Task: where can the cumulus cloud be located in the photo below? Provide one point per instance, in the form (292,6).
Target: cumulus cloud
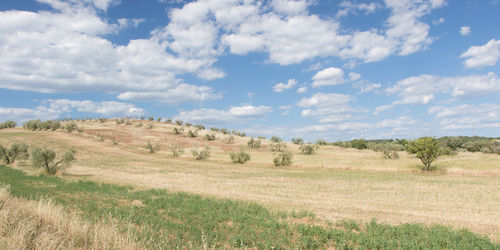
(328,107)
(235,114)
(354,76)
(481,56)
(55,108)
(328,76)
(467,116)
(64,51)
(423,88)
(464,30)
(302,90)
(179,94)
(281,86)
(347,8)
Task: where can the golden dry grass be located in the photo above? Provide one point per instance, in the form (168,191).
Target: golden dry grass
(42,225)
(335,183)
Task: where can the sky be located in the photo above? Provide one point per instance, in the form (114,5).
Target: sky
(331,70)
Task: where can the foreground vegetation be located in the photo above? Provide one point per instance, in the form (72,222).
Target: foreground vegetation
(160,219)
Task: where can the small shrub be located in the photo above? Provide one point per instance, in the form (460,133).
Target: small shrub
(159,119)
(486,150)
(279,146)
(261,137)
(239,157)
(210,137)
(389,149)
(100,137)
(16,151)
(308,149)
(178,131)
(8,124)
(138,125)
(201,154)
(252,143)
(128,123)
(283,159)
(200,127)
(427,149)
(120,121)
(214,129)
(188,124)
(176,150)
(152,149)
(149,126)
(70,127)
(229,139)
(179,122)
(192,133)
(321,142)
(115,140)
(359,144)
(297,141)
(276,139)
(168,120)
(151,118)
(224,131)
(46,159)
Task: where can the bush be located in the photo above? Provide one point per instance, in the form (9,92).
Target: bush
(202,154)
(427,149)
(8,124)
(476,145)
(215,129)
(321,142)
(178,131)
(297,141)
(45,158)
(16,151)
(168,120)
(120,121)
(70,127)
(149,126)
(192,133)
(359,144)
(114,140)
(151,118)
(39,125)
(283,159)
(128,123)
(224,131)
(239,157)
(276,139)
(210,137)
(188,124)
(176,149)
(152,149)
(308,149)
(179,122)
(279,146)
(252,143)
(159,119)
(229,139)
(139,124)
(200,127)
(389,149)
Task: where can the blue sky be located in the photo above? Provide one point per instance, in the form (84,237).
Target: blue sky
(333,70)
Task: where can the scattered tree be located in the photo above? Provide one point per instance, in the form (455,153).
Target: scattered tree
(179,122)
(115,141)
(279,146)
(149,126)
(359,144)
(192,133)
(229,139)
(176,150)
(16,151)
(427,149)
(239,157)
(178,131)
(308,149)
(276,139)
(297,141)
(283,158)
(46,159)
(152,149)
(8,124)
(70,127)
(389,149)
(321,142)
(252,143)
(210,137)
(201,154)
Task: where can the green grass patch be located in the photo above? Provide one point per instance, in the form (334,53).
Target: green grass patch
(167,220)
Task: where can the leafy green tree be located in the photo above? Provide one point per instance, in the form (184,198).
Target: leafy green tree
(16,151)
(46,159)
(427,149)
(389,149)
(359,144)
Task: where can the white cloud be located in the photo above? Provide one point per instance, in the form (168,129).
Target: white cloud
(422,89)
(179,94)
(354,76)
(53,109)
(464,30)
(399,122)
(281,86)
(347,8)
(481,56)
(382,108)
(291,7)
(302,90)
(368,46)
(328,76)
(467,116)
(366,88)
(438,22)
(328,107)
(236,114)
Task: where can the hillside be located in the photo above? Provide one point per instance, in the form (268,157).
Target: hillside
(334,183)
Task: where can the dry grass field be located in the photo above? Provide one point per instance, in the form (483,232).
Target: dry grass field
(334,183)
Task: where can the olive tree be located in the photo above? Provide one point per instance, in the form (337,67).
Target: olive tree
(16,151)
(46,158)
(427,149)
